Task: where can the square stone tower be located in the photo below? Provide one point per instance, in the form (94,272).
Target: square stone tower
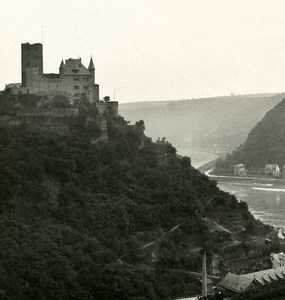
(32,57)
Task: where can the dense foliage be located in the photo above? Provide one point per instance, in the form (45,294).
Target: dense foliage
(76,215)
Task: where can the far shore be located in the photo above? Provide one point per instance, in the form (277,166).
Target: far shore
(245,179)
(199,158)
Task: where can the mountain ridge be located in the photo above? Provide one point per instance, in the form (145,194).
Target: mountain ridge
(220,121)
(265,143)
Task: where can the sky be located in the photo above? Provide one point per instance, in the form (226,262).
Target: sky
(152,50)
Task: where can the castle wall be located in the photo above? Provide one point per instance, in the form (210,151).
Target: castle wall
(95,93)
(53,84)
(77,83)
(41,85)
(51,118)
(113,108)
(108,108)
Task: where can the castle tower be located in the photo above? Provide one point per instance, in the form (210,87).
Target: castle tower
(91,68)
(61,69)
(32,57)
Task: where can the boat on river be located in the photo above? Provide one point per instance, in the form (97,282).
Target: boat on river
(262,184)
(269,189)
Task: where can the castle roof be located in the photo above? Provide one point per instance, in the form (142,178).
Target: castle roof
(235,283)
(240,283)
(266,276)
(50,75)
(91,65)
(62,66)
(73,66)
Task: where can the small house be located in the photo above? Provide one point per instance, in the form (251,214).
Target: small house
(272,169)
(235,284)
(239,170)
(277,259)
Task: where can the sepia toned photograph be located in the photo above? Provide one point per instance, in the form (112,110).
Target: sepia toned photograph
(142,150)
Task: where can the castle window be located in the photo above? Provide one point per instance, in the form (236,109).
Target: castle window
(75,71)
(86,87)
(76,87)
(76,78)
(87,78)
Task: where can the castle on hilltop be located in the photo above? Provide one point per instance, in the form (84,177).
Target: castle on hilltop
(73,77)
(72,81)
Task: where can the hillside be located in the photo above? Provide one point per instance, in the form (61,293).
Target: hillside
(108,220)
(209,123)
(265,143)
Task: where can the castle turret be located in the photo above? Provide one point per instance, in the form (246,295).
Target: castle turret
(61,68)
(91,68)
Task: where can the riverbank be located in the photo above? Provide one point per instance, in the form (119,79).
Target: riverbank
(265,196)
(199,158)
(246,180)
(207,166)
(265,183)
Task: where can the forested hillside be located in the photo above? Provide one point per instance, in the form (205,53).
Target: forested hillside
(265,143)
(76,215)
(209,122)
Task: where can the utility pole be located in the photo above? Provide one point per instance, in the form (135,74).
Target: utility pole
(204,276)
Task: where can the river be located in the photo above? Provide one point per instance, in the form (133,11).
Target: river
(265,204)
(198,158)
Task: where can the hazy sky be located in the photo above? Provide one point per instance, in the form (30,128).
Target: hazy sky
(154,49)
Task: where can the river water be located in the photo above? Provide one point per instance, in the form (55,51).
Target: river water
(266,204)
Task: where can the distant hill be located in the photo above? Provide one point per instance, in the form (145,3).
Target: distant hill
(206,122)
(265,143)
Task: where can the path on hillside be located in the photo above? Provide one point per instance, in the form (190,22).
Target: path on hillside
(154,241)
